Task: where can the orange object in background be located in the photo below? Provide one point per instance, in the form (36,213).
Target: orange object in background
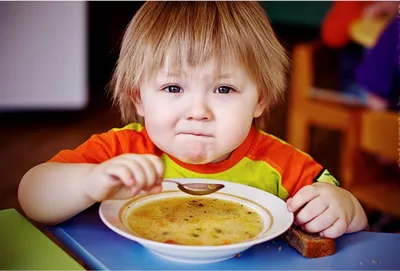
(335,28)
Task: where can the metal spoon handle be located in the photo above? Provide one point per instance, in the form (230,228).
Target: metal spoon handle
(171,181)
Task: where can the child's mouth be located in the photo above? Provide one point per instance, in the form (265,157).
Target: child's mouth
(196,134)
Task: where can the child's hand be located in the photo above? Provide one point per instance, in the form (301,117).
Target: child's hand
(125,176)
(328,210)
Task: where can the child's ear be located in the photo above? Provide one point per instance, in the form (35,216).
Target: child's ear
(137,101)
(260,108)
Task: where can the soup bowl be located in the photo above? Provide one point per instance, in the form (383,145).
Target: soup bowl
(271,212)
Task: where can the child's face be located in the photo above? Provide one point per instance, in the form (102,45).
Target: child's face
(199,116)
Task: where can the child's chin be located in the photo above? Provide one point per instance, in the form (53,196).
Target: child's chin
(201,158)
(195,160)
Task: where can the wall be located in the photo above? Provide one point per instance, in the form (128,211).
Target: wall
(43,55)
(298,13)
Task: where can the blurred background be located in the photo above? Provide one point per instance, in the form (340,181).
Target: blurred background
(342,105)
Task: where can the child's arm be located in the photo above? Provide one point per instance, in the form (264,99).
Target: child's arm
(54,192)
(327,209)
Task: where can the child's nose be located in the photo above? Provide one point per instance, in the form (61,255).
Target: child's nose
(199,109)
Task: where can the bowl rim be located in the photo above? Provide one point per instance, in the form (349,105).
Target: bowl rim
(264,236)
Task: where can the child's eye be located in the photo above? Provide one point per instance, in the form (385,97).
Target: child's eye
(223,90)
(173,89)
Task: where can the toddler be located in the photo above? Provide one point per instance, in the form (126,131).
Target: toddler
(194,83)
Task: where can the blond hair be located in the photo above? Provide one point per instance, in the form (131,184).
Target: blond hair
(196,32)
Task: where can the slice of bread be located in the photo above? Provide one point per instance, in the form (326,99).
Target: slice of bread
(310,245)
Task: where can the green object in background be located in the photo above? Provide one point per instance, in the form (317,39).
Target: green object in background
(299,13)
(23,246)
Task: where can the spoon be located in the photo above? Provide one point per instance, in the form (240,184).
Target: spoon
(198,189)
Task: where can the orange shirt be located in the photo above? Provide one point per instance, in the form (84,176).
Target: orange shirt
(262,160)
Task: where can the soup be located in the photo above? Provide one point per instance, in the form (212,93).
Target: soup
(195,221)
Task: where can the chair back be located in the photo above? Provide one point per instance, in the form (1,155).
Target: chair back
(380,134)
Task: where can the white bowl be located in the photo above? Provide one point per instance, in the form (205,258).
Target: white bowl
(277,219)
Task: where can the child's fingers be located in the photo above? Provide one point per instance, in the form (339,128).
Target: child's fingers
(321,222)
(304,195)
(158,166)
(138,174)
(135,171)
(155,189)
(338,228)
(149,171)
(142,170)
(312,209)
(124,193)
(130,172)
(119,172)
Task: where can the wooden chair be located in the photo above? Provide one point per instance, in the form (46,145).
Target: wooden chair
(365,133)
(309,105)
(373,184)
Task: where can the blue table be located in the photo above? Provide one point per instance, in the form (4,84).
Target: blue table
(100,248)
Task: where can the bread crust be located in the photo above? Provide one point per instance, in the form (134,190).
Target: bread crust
(310,245)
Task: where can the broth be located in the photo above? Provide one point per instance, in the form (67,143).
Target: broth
(195,221)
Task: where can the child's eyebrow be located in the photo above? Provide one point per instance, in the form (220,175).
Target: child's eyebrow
(174,74)
(167,73)
(224,76)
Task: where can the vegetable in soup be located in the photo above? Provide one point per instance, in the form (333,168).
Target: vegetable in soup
(195,221)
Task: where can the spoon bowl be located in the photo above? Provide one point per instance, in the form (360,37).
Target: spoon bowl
(197,189)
